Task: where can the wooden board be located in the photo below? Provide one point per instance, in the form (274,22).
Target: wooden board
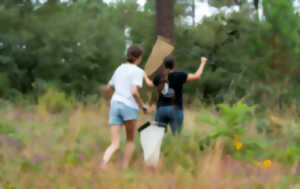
(160,50)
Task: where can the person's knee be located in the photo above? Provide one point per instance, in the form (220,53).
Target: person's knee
(115,146)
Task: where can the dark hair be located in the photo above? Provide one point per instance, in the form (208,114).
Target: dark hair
(133,53)
(158,78)
(169,62)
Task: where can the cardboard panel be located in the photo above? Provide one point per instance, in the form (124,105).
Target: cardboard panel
(160,50)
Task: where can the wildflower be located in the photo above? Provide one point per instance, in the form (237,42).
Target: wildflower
(238,145)
(267,163)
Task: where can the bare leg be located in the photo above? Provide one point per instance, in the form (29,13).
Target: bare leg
(115,131)
(130,134)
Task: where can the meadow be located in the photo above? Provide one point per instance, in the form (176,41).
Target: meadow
(57,143)
(51,139)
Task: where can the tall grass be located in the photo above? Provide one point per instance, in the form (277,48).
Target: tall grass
(62,150)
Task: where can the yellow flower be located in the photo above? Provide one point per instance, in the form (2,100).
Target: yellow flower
(238,145)
(235,137)
(267,163)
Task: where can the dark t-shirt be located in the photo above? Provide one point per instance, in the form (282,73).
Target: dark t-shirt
(174,94)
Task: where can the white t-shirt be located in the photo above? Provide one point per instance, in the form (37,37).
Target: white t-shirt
(124,78)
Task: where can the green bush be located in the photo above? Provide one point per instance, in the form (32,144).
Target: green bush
(6,186)
(6,89)
(6,129)
(181,151)
(59,43)
(55,101)
(4,103)
(232,120)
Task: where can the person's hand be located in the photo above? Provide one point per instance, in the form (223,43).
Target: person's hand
(149,83)
(145,109)
(203,60)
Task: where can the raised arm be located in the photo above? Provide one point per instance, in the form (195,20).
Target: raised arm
(198,73)
(148,82)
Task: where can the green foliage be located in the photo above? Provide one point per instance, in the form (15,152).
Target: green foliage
(76,45)
(232,120)
(253,57)
(5,186)
(289,155)
(68,145)
(181,151)
(70,157)
(237,114)
(55,101)
(4,84)
(263,126)
(6,128)
(71,46)
(289,182)
(5,103)
(27,165)
(228,3)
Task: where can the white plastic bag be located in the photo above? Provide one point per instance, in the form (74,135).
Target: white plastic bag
(151,136)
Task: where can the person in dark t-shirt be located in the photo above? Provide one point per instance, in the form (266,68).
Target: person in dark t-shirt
(170,84)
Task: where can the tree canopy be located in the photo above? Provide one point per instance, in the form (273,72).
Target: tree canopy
(75,46)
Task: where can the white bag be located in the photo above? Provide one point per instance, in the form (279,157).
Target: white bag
(151,136)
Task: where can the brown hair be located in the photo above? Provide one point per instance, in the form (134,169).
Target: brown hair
(162,76)
(133,53)
(169,62)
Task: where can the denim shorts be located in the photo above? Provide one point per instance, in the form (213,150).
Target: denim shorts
(120,112)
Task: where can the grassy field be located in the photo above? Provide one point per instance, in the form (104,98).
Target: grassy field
(48,146)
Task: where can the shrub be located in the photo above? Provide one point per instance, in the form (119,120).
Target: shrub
(6,128)
(54,101)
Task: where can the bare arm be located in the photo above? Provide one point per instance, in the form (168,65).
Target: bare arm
(109,91)
(148,82)
(136,95)
(198,73)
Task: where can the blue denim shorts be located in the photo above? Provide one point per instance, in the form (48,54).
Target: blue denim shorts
(120,112)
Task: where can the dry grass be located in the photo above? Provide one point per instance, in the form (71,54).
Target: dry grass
(42,162)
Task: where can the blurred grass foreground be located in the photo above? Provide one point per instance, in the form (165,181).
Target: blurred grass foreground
(58,142)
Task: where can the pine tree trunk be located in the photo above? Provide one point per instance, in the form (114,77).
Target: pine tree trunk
(256,3)
(165,18)
(164,27)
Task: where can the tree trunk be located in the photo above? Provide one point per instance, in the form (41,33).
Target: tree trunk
(256,4)
(165,18)
(164,27)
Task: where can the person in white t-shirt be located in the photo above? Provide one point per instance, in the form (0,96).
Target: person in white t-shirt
(125,102)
